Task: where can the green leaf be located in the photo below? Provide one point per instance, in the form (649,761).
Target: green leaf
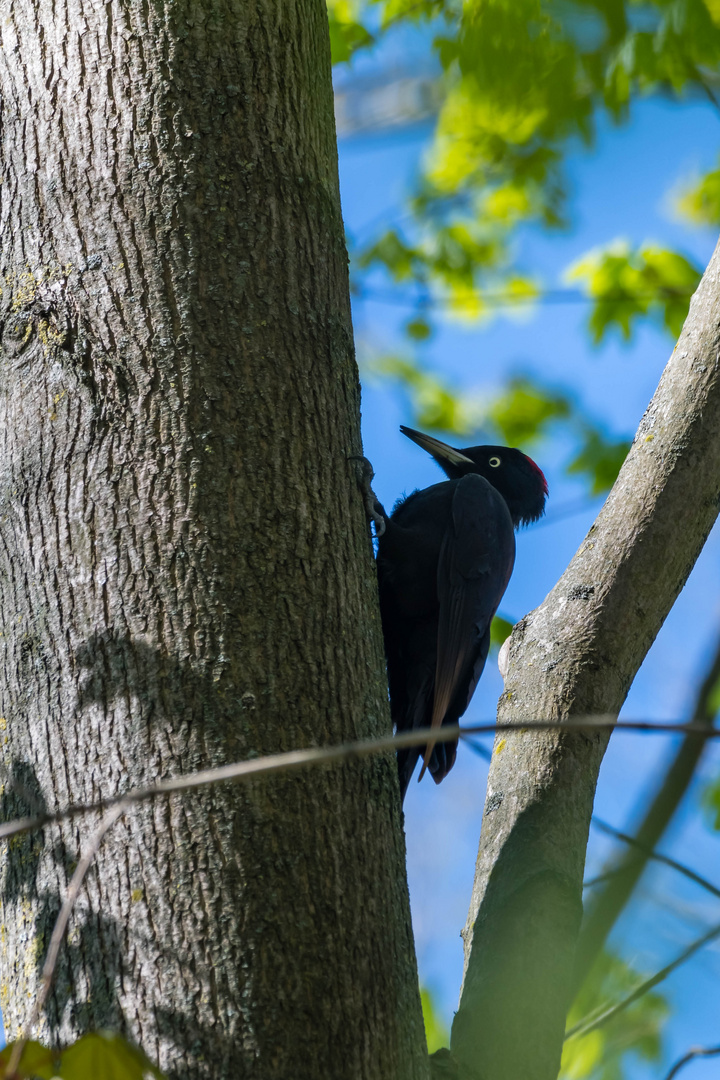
(395,11)
(500,630)
(436,1033)
(105,1055)
(99,1055)
(418,329)
(35,1061)
(435,404)
(700,202)
(627,285)
(713,702)
(523,412)
(711,803)
(399,258)
(599,460)
(601,1054)
(521,80)
(347,34)
(584,1058)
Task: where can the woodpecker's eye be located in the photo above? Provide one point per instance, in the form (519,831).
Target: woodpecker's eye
(494,461)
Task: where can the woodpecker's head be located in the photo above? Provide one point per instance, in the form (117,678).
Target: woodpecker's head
(516,476)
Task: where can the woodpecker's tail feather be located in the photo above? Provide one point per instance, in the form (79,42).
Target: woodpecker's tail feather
(407,760)
(442,760)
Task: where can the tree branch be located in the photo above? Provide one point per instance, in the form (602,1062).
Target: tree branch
(295,760)
(584,1027)
(655,856)
(578,653)
(697,1051)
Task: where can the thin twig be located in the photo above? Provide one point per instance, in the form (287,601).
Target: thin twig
(697,1051)
(600,879)
(654,855)
(295,760)
(479,749)
(607,903)
(59,929)
(704,85)
(585,1026)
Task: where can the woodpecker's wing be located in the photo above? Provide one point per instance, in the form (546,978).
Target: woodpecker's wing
(411,672)
(475,564)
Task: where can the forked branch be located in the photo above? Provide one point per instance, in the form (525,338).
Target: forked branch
(578,654)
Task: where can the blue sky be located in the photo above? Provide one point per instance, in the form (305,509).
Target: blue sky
(620,189)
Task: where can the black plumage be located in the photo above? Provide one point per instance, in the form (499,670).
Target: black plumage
(444,561)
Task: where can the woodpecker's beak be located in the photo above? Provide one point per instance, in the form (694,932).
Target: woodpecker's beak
(439,450)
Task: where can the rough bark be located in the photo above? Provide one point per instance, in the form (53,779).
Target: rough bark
(575,655)
(185,572)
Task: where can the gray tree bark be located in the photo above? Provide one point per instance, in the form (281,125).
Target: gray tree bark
(185,572)
(576,655)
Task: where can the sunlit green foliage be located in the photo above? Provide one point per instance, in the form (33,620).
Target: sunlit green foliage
(346,33)
(521,80)
(434,404)
(599,460)
(600,1055)
(700,202)
(711,796)
(453,258)
(500,631)
(99,1055)
(418,329)
(393,11)
(626,285)
(522,414)
(523,77)
(436,1033)
(524,411)
(512,92)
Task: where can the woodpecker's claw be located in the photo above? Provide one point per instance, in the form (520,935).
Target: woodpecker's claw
(373,507)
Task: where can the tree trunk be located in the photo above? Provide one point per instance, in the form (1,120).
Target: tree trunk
(185,572)
(577,654)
